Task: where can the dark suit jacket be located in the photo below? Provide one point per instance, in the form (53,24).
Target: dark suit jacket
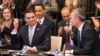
(19,8)
(50,24)
(63,24)
(41,38)
(89,41)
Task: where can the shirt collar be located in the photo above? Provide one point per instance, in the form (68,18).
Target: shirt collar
(42,19)
(80,28)
(34,26)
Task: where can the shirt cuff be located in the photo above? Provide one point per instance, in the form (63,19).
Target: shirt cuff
(13,32)
(72,51)
(35,49)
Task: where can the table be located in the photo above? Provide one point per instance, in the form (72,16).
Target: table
(6,52)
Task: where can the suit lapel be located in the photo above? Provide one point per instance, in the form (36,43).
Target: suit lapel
(36,34)
(82,34)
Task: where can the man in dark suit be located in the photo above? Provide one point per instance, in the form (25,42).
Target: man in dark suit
(33,35)
(42,19)
(63,28)
(87,37)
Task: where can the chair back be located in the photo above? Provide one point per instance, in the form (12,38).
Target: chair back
(56,43)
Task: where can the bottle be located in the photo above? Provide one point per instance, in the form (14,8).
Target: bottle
(56,52)
(24,50)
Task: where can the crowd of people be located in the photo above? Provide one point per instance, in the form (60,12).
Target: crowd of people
(78,35)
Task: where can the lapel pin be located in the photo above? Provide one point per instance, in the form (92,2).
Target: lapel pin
(37,28)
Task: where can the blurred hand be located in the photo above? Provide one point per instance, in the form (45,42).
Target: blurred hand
(8,40)
(16,24)
(31,49)
(95,22)
(68,51)
(60,31)
(67,29)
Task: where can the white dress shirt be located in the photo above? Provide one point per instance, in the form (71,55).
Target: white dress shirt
(80,29)
(41,20)
(31,30)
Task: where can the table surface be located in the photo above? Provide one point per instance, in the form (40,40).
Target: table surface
(17,53)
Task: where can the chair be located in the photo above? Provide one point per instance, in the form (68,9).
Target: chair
(56,42)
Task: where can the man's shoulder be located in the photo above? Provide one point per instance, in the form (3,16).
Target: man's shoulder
(61,23)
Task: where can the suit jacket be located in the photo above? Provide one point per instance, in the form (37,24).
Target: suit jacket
(89,41)
(50,24)
(41,38)
(63,24)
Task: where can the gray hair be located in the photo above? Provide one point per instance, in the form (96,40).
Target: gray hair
(79,12)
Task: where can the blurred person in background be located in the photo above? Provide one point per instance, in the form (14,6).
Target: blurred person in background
(65,28)
(16,5)
(42,19)
(10,24)
(96,20)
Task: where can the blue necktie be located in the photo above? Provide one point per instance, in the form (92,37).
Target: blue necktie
(41,1)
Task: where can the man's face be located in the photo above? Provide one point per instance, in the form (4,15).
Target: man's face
(65,15)
(30,18)
(39,11)
(74,20)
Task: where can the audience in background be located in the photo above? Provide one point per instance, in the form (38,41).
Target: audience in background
(42,19)
(51,8)
(96,20)
(8,25)
(7,3)
(15,5)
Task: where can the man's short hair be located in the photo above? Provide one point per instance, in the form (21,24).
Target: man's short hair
(28,10)
(65,8)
